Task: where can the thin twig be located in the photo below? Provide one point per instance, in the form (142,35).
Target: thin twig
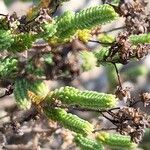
(100,42)
(112,121)
(87,109)
(114,29)
(114,108)
(3,95)
(3,15)
(118,75)
(133,104)
(4,116)
(104,129)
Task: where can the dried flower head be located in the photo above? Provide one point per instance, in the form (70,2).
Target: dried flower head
(131,121)
(141,50)
(135,16)
(123,93)
(122,47)
(145,98)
